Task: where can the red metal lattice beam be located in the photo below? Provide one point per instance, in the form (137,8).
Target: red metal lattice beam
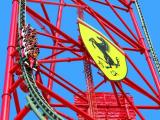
(68,104)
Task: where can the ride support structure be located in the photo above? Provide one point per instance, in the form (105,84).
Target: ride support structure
(6,97)
(89,95)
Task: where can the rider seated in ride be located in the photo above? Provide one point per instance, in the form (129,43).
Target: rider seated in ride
(32,57)
(29,46)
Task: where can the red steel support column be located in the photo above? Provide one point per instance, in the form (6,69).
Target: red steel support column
(5,110)
(149,61)
(58,24)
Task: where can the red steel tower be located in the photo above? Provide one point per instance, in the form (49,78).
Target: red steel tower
(67,83)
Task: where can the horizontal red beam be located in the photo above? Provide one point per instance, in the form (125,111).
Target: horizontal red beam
(54,54)
(57,105)
(131,49)
(103,3)
(58,48)
(61,60)
(53,37)
(148,107)
(114,106)
(55,3)
(110,106)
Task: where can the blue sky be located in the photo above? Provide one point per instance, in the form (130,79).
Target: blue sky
(152,17)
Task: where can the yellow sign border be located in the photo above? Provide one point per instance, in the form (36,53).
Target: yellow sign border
(107,40)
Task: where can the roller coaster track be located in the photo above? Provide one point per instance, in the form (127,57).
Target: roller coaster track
(35,100)
(149,41)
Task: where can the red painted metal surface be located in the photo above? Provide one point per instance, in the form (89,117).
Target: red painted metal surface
(6,97)
(89,104)
(107,107)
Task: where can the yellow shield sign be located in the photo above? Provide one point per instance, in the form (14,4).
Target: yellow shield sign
(109,58)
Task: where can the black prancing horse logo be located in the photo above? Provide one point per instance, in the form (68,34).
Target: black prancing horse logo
(104,48)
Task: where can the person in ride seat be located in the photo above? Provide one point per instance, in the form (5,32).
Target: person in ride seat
(29,46)
(32,57)
(25,29)
(29,41)
(33,33)
(32,40)
(29,30)
(28,27)
(31,53)
(23,32)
